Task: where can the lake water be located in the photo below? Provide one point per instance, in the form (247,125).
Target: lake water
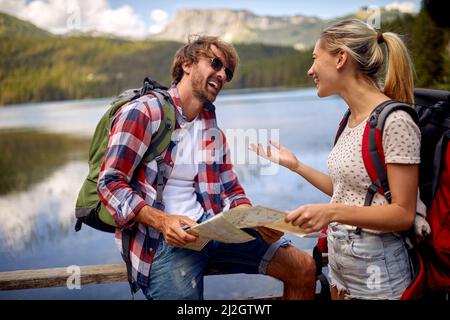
(37,229)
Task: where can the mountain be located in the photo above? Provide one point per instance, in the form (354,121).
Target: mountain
(13,27)
(40,66)
(243,26)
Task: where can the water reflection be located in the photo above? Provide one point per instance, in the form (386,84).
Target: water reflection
(29,155)
(44,212)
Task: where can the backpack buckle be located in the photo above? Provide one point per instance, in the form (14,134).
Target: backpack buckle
(373,188)
(373,121)
(147,86)
(78,225)
(168,124)
(388,196)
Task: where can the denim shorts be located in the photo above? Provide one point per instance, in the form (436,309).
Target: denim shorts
(367,265)
(177,273)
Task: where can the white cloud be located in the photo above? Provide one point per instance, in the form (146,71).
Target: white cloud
(11,7)
(60,16)
(159,20)
(159,15)
(409,7)
(122,21)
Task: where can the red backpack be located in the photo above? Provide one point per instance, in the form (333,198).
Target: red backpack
(430,259)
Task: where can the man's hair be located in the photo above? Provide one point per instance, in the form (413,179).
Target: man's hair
(198,47)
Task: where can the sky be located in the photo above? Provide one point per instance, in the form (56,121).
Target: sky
(138,18)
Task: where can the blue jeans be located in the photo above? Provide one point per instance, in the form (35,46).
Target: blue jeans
(177,273)
(367,265)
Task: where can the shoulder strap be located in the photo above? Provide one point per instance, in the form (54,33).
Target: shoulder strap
(161,139)
(342,125)
(372,147)
(439,161)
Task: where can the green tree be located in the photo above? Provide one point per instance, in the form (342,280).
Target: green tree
(429,51)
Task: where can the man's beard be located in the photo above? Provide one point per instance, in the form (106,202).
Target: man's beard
(200,91)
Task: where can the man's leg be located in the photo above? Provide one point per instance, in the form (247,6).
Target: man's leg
(297,270)
(280,260)
(176,274)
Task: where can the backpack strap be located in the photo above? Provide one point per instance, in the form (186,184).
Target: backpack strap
(372,148)
(324,284)
(161,141)
(439,160)
(342,125)
(126,245)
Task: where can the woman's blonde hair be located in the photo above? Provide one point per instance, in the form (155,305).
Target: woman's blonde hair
(198,46)
(382,57)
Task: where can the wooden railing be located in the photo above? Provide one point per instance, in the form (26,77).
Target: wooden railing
(58,277)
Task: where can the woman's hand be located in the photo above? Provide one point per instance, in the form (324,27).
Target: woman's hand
(310,218)
(279,154)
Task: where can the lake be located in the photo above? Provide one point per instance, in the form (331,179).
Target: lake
(43,163)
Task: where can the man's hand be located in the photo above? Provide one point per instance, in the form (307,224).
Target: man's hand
(171,226)
(172,229)
(269,235)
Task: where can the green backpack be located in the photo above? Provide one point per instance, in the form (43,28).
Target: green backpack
(89,209)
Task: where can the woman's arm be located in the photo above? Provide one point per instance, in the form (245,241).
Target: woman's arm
(317,178)
(287,159)
(397,216)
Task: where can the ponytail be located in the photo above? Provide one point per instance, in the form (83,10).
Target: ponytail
(399,82)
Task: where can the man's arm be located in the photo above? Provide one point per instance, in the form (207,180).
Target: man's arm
(129,139)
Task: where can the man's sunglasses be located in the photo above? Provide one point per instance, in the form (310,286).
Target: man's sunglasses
(217,65)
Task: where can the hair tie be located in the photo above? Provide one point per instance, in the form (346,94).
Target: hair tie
(380,38)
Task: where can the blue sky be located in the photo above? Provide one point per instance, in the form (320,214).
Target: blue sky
(138,19)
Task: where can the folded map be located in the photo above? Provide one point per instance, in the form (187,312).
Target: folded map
(226,226)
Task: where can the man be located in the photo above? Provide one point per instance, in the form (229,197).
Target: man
(195,189)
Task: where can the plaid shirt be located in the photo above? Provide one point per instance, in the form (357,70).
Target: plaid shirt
(126,184)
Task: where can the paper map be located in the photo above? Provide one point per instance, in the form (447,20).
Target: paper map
(226,226)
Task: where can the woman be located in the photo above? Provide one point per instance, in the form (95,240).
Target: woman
(367,258)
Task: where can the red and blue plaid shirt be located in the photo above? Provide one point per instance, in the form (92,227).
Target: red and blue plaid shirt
(126,183)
